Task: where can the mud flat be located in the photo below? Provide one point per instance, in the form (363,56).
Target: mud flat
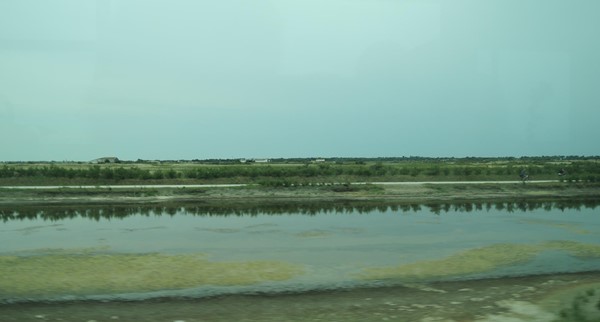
(557,297)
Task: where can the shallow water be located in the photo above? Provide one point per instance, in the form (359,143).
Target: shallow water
(179,253)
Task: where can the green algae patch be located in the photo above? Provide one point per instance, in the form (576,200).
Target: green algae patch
(574,248)
(470,261)
(91,274)
(479,260)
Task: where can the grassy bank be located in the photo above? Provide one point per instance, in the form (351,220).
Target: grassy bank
(302,179)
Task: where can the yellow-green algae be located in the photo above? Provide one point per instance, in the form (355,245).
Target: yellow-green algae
(85,274)
(478,260)
(574,248)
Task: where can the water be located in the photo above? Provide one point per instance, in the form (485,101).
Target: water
(292,248)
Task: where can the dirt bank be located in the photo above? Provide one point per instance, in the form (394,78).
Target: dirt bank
(414,193)
(520,299)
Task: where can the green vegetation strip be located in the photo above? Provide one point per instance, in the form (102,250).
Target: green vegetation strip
(91,274)
(302,172)
(478,260)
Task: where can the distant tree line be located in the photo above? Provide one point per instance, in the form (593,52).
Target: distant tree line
(92,172)
(405,171)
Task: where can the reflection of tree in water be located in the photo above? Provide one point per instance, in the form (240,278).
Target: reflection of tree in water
(52,213)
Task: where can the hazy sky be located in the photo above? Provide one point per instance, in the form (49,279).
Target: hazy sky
(81,79)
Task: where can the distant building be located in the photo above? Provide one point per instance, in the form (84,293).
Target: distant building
(261,160)
(318,160)
(105,160)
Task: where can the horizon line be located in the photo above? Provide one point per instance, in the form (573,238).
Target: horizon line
(311,158)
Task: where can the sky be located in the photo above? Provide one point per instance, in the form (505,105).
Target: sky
(187,79)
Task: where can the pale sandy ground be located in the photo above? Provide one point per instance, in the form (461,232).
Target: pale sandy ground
(245,185)
(388,192)
(525,299)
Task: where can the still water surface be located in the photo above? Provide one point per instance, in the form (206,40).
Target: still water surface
(327,248)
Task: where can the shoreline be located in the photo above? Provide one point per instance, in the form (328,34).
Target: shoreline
(524,298)
(227,185)
(410,192)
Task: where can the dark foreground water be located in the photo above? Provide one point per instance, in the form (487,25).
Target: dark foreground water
(344,262)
